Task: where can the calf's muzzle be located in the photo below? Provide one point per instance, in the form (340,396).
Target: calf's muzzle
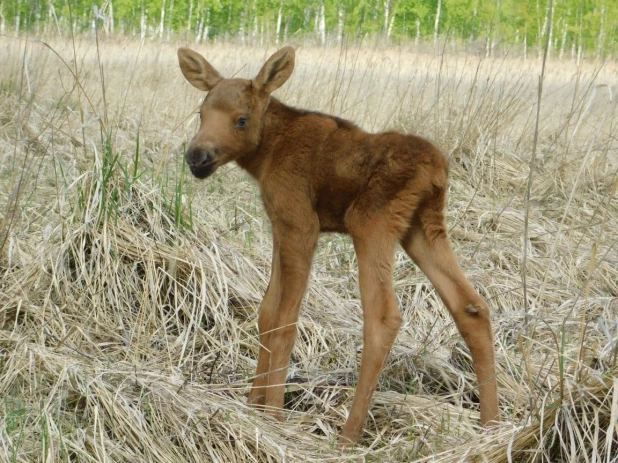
(200,160)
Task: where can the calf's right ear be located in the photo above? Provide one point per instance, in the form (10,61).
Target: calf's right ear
(197,70)
(275,71)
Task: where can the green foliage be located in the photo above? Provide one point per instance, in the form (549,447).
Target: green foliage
(590,25)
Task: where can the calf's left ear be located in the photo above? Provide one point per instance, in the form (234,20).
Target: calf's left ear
(275,71)
(197,70)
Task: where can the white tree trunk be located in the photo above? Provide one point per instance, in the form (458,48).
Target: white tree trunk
(143,25)
(542,32)
(551,34)
(340,23)
(278,30)
(286,31)
(563,41)
(206,34)
(387,10)
(18,18)
(391,24)
(110,15)
(200,29)
(255,29)
(2,21)
(189,19)
(241,31)
(171,12)
(436,27)
(322,24)
(162,23)
(317,21)
(254,32)
(389,17)
(601,39)
(262,34)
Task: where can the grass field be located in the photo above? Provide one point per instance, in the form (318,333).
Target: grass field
(129,290)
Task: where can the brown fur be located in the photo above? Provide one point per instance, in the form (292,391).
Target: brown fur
(321,173)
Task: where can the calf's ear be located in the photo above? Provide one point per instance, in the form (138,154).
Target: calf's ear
(275,71)
(197,70)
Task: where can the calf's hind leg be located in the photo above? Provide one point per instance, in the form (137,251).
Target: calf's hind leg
(381,323)
(427,244)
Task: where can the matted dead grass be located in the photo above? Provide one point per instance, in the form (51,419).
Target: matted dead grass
(129,291)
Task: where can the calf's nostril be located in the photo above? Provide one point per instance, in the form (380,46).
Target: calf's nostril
(199,157)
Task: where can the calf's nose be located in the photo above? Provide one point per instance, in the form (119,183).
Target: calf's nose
(200,155)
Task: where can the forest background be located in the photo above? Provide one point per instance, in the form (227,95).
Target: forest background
(578,26)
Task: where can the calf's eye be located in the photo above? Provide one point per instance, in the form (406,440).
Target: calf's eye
(241,122)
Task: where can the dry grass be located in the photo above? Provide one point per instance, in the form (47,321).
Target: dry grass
(129,291)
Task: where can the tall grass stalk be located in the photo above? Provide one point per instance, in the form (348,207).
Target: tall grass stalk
(533,162)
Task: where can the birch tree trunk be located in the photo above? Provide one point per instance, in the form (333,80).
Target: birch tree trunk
(391,24)
(162,23)
(436,27)
(171,13)
(601,38)
(18,18)
(206,34)
(143,24)
(189,19)
(387,10)
(340,25)
(241,30)
(255,30)
(316,24)
(542,32)
(474,24)
(278,30)
(286,31)
(550,31)
(563,41)
(389,18)
(200,29)
(110,15)
(322,24)
(579,41)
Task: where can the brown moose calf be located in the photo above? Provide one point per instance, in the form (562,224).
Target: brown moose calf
(321,173)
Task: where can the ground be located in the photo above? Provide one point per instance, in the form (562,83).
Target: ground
(129,290)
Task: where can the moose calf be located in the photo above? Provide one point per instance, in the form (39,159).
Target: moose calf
(321,173)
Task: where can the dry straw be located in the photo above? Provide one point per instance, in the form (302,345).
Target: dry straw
(128,290)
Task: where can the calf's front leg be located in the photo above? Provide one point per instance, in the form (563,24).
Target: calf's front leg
(266,317)
(295,251)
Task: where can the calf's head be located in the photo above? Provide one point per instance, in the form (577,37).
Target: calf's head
(231,114)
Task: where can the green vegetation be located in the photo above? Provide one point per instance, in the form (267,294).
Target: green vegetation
(577,25)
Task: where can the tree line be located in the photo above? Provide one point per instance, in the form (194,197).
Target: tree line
(576,26)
